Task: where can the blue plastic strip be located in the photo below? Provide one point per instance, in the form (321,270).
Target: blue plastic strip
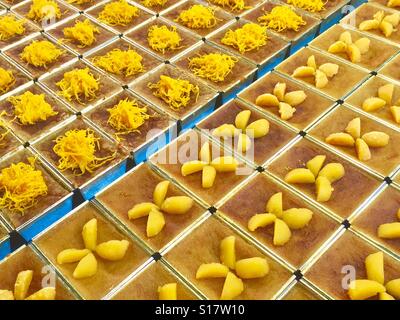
(5,249)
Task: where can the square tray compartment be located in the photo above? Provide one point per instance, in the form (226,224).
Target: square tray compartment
(350,191)
(149,61)
(88,183)
(348,251)
(384,160)
(20,77)
(138,186)
(25,258)
(266,57)
(252,198)
(306,113)
(391,69)
(301,292)
(32,132)
(379,51)
(242,74)
(202,245)
(186,148)
(262,148)
(194,111)
(339,86)
(144,286)
(67,233)
(107,86)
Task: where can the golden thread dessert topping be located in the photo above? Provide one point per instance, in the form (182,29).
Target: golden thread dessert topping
(282,18)
(79,2)
(83,32)
(7,80)
(112,250)
(11,26)
(386,23)
(118,13)
(126,116)
(233,5)
(309,5)
(77,84)
(354,50)
(31,108)
(43,9)
(77,151)
(247,38)
(198,17)
(174,92)
(283,220)
(162,39)
(213,66)
(20,185)
(121,62)
(154,3)
(393,3)
(154,211)
(41,53)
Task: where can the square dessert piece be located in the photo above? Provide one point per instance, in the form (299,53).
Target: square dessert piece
(391,68)
(107,153)
(196,105)
(44,202)
(17,76)
(262,56)
(252,198)
(24,55)
(28,30)
(329,8)
(26,259)
(346,257)
(349,192)
(369,89)
(202,246)
(236,7)
(164,46)
(67,233)
(384,160)
(380,211)
(187,148)
(337,86)
(159,6)
(301,292)
(137,187)
(104,12)
(144,286)
(221,17)
(38,16)
(98,86)
(18,122)
(377,54)
(307,112)
(100,34)
(366,12)
(262,148)
(153,125)
(102,59)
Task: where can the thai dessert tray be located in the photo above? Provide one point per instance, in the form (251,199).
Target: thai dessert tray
(194,150)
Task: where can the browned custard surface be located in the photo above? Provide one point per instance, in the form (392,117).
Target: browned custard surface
(300,292)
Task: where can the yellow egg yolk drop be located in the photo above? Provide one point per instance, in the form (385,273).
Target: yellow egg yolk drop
(7,80)
(198,17)
(20,185)
(213,66)
(309,5)
(174,92)
(82,32)
(118,13)
(162,39)
(281,18)
(41,9)
(10,27)
(41,53)
(76,149)
(249,37)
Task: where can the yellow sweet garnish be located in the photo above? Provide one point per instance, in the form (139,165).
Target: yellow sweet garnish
(163,39)
(281,18)
(233,5)
(175,92)
(31,108)
(212,66)
(10,26)
(76,149)
(126,116)
(154,3)
(43,9)
(118,13)
(309,5)
(7,80)
(77,83)
(249,37)
(20,185)
(4,131)
(40,53)
(117,61)
(79,1)
(198,17)
(83,32)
